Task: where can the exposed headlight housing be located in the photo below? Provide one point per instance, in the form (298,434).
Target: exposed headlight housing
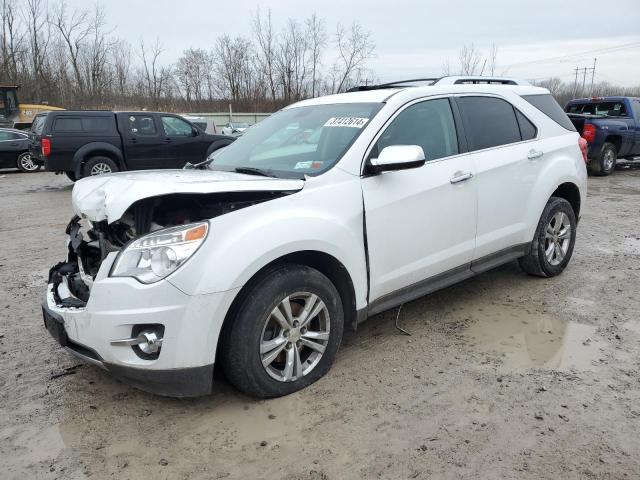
(156,255)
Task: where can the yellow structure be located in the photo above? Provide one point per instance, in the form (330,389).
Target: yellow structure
(15,114)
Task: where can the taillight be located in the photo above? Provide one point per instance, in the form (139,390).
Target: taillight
(589,132)
(45,143)
(583,148)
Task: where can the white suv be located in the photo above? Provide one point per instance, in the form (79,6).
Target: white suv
(329,211)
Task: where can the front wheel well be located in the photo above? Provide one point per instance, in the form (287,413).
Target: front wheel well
(326,264)
(571,193)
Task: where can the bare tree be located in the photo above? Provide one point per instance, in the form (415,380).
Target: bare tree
(11,42)
(354,49)
(154,76)
(469,58)
(73,28)
(317,38)
(266,50)
(493,57)
(36,18)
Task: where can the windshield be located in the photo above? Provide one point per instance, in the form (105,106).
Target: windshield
(297,141)
(240,125)
(607,109)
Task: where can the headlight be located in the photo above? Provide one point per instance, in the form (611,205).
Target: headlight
(156,255)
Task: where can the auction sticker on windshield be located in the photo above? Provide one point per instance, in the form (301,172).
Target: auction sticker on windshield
(355,122)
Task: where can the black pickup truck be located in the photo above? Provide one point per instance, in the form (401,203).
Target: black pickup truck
(83,143)
(611,127)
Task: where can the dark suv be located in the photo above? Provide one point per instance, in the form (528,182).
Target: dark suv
(83,143)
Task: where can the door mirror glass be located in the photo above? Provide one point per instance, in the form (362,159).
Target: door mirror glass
(398,157)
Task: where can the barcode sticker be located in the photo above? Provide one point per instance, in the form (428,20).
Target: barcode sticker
(355,122)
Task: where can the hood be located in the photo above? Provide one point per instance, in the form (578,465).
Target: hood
(107,197)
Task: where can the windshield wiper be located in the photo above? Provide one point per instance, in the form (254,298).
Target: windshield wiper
(254,171)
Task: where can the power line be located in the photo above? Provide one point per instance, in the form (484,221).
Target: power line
(579,54)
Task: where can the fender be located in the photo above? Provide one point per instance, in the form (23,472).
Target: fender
(96,148)
(241,243)
(566,167)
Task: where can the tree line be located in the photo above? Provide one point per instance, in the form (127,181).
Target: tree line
(71,58)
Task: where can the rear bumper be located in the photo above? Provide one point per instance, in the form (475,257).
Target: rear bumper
(177,382)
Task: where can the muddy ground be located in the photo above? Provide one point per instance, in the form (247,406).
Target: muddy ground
(503,376)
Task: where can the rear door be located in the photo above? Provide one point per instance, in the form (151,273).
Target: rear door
(144,142)
(420,222)
(184,142)
(507,158)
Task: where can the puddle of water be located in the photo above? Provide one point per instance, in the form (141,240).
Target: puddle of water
(532,340)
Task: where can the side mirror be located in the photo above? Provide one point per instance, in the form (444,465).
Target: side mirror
(397,157)
(194,132)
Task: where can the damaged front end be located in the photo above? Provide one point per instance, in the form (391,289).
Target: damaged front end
(90,242)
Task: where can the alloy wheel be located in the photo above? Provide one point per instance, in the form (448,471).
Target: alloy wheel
(557,238)
(609,159)
(100,168)
(27,163)
(295,336)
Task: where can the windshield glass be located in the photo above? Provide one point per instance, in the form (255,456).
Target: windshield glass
(240,125)
(297,141)
(608,109)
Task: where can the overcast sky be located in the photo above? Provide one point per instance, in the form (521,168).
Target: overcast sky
(536,39)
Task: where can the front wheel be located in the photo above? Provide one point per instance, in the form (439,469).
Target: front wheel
(26,163)
(285,334)
(553,243)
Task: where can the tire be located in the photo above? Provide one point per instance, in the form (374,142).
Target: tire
(557,215)
(25,163)
(98,166)
(71,176)
(605,164)
(256,334)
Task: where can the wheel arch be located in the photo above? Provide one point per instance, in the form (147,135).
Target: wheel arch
(95,149)
(571,193)
(325,263)
(616,140)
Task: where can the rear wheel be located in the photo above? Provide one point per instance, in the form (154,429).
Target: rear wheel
(285,334)
(553,243)
(606,161)
(99,166)
(26,163)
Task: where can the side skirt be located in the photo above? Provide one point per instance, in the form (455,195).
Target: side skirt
(442,280)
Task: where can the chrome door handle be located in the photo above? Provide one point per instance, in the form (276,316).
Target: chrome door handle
(533,154)
(461,177)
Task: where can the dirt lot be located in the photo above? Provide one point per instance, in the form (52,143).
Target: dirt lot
(504,376)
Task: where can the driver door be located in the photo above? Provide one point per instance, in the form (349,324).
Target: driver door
(421,222)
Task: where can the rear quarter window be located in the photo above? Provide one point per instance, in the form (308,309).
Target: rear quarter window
(489,122)
(67,124)
(548,105)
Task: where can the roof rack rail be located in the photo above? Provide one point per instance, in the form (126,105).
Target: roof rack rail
(398,83)
(479,79)
(449,80)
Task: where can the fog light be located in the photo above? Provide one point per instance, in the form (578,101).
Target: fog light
(145,340)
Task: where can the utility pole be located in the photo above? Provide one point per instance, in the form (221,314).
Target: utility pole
(584,71)
(593,74)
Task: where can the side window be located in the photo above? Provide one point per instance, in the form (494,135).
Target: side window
(67,124)
(142,125)
(428,124)
(17,136)
(489,122)
(547,105)
(635,104)
(528,130)
(4,136)
(96,124)
(176,127)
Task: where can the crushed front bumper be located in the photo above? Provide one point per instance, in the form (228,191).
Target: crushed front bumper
(116,306)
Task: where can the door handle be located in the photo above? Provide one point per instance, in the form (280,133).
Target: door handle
(168,140)
(461,177)
(13,144)
(533,154)
(134,140)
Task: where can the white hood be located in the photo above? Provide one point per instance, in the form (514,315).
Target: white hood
(107,197)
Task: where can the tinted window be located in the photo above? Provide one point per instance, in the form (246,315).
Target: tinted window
(176,127)
(38,124)
(427,124)
(67,124)
(635,104)
(547,105)
(4,136)
(488,122)
(142,125)
(527,129)
(96,124)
